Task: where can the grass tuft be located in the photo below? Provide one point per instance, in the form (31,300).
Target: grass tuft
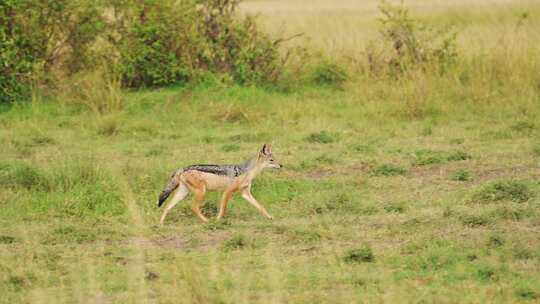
(458,155)
(322,137)
(329,74)
(461,175)
(21,175)
(388,170)
(360,255)
(6,239)
(476,220)
(505,190)
(236,242)
(525,293)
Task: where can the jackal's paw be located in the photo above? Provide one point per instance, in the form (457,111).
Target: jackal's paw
(269,217)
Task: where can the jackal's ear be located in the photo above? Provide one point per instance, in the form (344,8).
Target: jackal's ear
(265,149)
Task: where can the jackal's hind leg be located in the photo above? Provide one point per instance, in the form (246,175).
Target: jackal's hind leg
(197,203)
(246,194)
(180,194)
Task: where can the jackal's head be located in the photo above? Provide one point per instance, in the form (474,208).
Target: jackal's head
(266,159)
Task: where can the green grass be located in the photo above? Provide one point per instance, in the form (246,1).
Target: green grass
(367,208)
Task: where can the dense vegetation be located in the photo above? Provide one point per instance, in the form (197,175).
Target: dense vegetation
(142,43)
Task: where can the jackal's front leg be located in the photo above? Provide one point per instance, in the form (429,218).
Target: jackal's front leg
(246,194)
(224,200)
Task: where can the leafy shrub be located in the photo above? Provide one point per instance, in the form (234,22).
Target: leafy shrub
(42,37)
(137,43)
(505,190)
(360,255)
(173,42)
(408,44)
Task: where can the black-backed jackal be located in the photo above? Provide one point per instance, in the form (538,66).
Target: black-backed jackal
(228,178)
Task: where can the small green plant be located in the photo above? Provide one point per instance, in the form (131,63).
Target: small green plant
(24,176)
(395,207)
(217,225)
(360,255)
(512,212)
(476,220)
(329,73)
(6,239)
(237,242)
(428,157)
(526,293)
(496,240)
(458,155)
(487,273)
(461,175)
(505,190)
(388,170)
(322,137)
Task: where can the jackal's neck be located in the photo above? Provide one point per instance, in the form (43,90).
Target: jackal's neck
(248,165)
(250,168)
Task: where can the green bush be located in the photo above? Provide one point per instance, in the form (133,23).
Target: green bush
(143,43)
(170,42)
(39,37)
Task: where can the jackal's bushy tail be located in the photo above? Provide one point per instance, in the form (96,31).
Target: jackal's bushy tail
(171,185)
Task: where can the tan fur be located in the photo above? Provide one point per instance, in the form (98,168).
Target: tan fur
(199,182)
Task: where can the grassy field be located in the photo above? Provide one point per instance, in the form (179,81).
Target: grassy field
(390,193)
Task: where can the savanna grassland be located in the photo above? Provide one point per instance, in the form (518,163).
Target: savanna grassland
(408,182)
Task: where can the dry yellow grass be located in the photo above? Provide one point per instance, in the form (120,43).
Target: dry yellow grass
(346,26)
